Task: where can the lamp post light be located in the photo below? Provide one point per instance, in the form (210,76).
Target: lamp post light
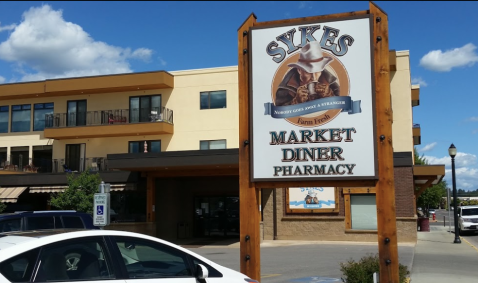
(452,152)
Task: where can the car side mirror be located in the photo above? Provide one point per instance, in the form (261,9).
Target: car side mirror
(201,272)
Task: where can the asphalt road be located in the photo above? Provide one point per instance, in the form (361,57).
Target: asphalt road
(442,217)
(302,262)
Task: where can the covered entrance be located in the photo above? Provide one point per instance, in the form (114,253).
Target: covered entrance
(190,194)
(216,216)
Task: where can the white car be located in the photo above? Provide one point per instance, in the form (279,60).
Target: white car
(467,218)
(104,255)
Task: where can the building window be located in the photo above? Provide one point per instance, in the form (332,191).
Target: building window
(75,157)
(143,108)
(21,117)
(76,115)
(138,146)
(39,112)
(360,209)
(206,145)
(3,119)
(213,99)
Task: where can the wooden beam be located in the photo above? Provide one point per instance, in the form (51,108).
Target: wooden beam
(385,188)
(250,257)
(423,188)
(150,198)
(370,190)
(321,183)
(196,172)
(393,60)
(312,18)
(348,214)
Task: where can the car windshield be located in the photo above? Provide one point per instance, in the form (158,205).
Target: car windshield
(470,211)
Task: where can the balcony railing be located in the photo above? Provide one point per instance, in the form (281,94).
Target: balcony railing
(108,117)
(42,165)
(22,163)
(93,164)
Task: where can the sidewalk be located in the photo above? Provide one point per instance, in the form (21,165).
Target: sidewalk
(437,259)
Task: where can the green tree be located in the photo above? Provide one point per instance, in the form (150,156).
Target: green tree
(419,160)
(2,207)
(433,196)
(80,192)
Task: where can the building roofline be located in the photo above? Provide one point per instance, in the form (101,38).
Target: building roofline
(86,77)
(204,71)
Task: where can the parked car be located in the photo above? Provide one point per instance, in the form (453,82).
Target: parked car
(467,218)
(431,211)
(39,220)
(96,255)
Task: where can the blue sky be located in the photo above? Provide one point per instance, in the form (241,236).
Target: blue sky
(41,40)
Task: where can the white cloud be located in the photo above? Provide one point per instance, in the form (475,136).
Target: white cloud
(439,61)
(9,27)
(461,160)
(466,178)
(44,45)
(162,62)
(428,147)
(2,80)
(142,54)
(419,81)
(473,119)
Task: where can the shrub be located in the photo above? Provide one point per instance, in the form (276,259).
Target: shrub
(363,270)
(2,207)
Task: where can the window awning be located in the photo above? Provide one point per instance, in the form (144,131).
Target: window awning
(11,194)
(48,189)
(122,187)
(59,189)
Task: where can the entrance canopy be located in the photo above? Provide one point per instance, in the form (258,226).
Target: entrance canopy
(425,176)
(179,163)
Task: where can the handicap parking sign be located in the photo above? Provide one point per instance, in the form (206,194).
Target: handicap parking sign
(99,210)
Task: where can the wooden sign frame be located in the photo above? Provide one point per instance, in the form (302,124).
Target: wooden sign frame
(249,200)
(336,178)
(312,210)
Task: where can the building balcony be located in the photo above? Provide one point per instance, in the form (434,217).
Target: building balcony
(417,136)
(415,95)
(40,165)
(109,123)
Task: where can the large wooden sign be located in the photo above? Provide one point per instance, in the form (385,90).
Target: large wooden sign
(315,111)
(312,100)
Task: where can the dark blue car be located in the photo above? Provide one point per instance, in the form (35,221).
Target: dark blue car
(44,220)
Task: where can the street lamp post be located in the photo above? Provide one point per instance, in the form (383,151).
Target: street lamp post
(452,152)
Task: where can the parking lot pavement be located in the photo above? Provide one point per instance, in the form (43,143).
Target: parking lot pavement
(301,261)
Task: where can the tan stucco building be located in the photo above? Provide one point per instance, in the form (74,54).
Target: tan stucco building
(168,143)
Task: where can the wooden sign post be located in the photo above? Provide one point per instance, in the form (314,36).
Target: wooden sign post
(385,187)
(293,84)
(248,194)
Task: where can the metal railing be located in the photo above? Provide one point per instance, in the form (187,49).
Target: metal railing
(44,165)
(109,117)
(20,163)
(94,164)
